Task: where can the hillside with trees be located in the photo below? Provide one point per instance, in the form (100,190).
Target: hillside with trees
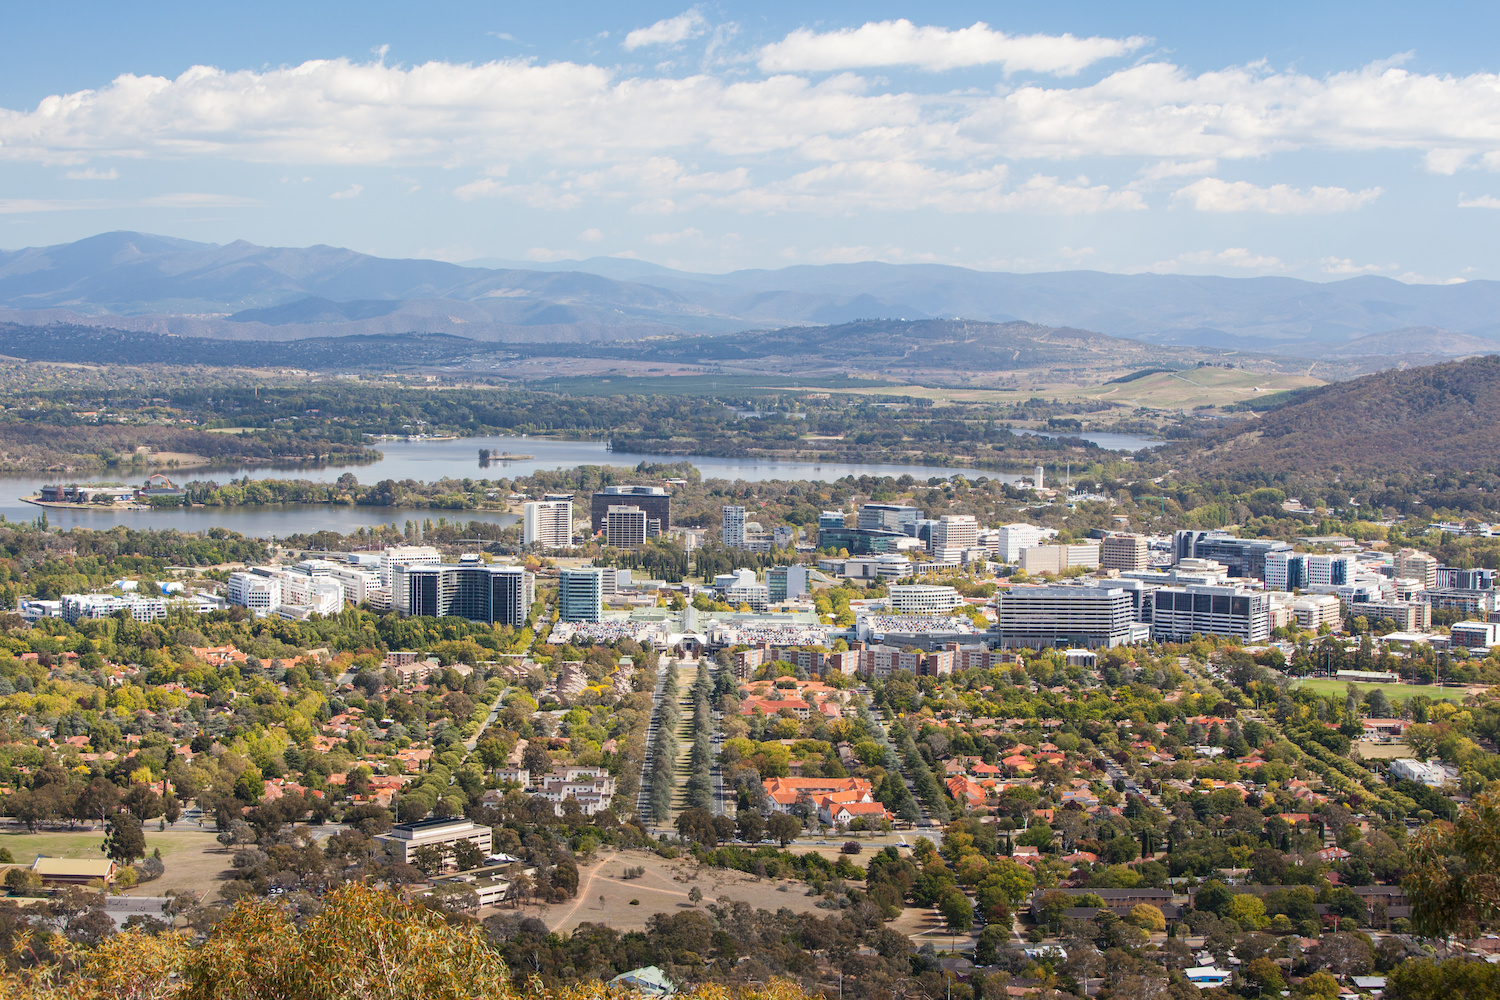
(1432,419)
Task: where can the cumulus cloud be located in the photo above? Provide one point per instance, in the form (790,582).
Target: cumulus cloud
(669,31)
(1483,201)
(1214,195)
(901,43)
(1345,266)
(181,199)
(591,235)
(352,191)
(93,174)
(553,135)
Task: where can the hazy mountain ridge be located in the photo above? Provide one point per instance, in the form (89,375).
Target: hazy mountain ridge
(244,291)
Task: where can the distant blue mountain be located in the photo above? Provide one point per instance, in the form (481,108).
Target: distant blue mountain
(242,290)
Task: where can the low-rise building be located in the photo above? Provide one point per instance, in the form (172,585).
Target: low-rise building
(403,840)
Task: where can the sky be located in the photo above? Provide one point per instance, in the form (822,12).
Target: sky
(1318,141)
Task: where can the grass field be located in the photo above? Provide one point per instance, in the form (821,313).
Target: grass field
(1183,390)
(701,385)
(195,862)
(1394,692)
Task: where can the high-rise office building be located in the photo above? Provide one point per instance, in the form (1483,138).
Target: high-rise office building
(1010,539)
(580,594)
(788,583)
(548,523)
(1124,552)
(1241,557)
(733,532)
(655,501)
(1178,613)
(1414,565)
(625,526)
(953,531)
(1090,617)
(889,517)
(497,595)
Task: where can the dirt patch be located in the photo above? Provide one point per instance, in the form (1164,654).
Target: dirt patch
(664,888)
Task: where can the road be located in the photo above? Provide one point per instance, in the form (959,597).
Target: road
(643,793)
(473,741)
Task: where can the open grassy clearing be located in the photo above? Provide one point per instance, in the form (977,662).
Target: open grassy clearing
(664,888)
(687,676)
(195,862)
(1394,692)
(1382,751)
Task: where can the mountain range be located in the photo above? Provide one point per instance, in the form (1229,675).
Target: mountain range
(242,291)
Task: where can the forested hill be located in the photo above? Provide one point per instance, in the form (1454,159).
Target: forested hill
(1439,418)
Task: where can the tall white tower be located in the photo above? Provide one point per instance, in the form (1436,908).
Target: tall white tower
(1037,481)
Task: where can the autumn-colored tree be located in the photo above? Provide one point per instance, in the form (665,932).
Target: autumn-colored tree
(1454,883)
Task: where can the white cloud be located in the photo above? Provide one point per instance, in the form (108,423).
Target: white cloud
(669,31)
(352,191)
(1214,195)
(1235,257)
(93,174)
(901,43)
(1173,168)
(554,135)
(544,255)
(183,199)
(591,236)
(663,239)
(1446,161)
(1483,201)
(1345,266)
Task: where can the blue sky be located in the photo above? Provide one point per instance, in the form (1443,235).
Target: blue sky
(1313,140)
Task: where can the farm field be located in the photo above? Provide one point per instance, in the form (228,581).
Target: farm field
(1185,390)
(1394,692)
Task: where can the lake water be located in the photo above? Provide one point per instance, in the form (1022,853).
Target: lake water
(424,461)
(1104,439)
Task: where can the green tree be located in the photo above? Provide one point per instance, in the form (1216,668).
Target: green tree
(957,911)
(783,828)
(123,839)
(1452,885)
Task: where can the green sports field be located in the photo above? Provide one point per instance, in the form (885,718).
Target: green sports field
(1394,692)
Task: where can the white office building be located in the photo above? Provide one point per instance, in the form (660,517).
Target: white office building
(580,594)
(732,534)
(1009,540)
(260,594)
(953,531)
(923,599)
(548,523)
(76,607)
(1067,617)
(406,555)
(360,585)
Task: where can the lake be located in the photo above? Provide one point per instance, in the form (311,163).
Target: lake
(424,461)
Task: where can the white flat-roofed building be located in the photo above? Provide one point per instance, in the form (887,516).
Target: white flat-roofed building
(953,531)
(1312,611)
(403,840)
(624,527)
(1086,617)
(923,599)
(406,555)
(1420,771)
(76,607)
(1469,635)
(548,523)
(592,787)
(359,585)
(260,594)
(1008,540)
